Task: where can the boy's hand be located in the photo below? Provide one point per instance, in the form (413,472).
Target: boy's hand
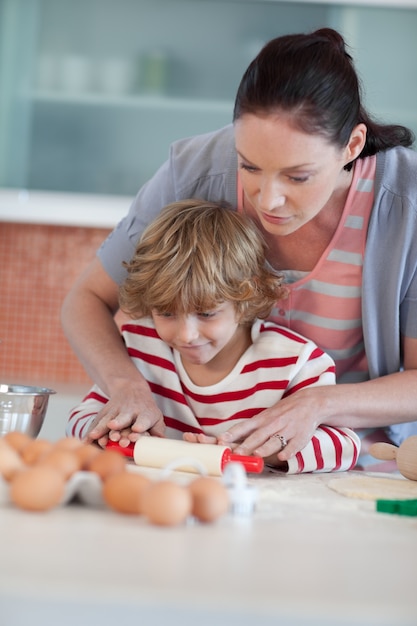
(131,411)
(199,438)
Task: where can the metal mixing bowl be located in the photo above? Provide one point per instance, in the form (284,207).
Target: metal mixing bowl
(23,408)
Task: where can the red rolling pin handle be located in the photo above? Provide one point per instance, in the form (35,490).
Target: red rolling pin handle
(252,464)
(127,451)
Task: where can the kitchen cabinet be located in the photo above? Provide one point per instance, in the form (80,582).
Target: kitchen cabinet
(92,92)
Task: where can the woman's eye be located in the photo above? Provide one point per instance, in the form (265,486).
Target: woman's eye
(248,168)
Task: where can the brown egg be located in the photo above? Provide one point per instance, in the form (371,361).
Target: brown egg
(17,440)
(86,454)
(35,449)
(10,460)
(65,461)
(107,463)
(166,503)
(68,443)
(38,488)
(124,492)
(210,498)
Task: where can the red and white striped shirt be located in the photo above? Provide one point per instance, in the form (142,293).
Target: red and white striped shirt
(277,364)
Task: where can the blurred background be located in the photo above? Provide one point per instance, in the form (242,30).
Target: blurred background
(92,92)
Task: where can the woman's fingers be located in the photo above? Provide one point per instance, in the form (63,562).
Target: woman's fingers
(282,429)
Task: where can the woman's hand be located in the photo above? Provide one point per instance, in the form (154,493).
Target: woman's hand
(282,429)
(130,412)
(374,403)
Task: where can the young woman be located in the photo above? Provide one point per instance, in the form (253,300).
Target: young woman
(335,195)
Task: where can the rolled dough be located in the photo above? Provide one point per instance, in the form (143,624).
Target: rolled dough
(374,488)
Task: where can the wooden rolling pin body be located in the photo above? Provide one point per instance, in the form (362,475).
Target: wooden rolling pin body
(157,452)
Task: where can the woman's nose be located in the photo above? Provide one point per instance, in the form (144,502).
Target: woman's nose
(271,195)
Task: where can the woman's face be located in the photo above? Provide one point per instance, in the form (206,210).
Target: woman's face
(288,176)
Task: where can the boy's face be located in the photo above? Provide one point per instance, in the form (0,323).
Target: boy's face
(202,337)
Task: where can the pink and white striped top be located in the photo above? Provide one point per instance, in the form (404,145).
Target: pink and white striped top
(325,304)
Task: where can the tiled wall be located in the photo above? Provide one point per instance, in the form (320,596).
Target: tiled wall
(38,264)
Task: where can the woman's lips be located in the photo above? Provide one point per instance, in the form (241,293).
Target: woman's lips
(276,219)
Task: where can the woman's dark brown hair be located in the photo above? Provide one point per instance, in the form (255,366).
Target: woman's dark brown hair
(312,76)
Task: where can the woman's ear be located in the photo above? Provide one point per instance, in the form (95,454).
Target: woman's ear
(356,143)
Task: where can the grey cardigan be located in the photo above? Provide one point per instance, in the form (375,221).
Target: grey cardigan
(205,167)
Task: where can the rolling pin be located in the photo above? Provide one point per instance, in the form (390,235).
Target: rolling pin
(405,455)
(158,452)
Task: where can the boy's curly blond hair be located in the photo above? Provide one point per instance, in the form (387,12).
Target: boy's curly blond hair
(196,255)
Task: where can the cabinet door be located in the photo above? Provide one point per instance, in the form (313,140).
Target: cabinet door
(92,92)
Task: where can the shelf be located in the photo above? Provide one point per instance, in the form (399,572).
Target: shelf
(158,102)
(394,4)
(161,103)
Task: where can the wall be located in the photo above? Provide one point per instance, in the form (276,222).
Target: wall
(38,264)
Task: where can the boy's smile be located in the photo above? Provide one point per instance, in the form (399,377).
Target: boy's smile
(214,340)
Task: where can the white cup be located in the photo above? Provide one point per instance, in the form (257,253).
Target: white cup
(76,73)
(116,76)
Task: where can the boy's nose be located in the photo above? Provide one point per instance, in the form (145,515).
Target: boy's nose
(188,329)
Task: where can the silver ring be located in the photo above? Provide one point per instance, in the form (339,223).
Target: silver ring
(282,439)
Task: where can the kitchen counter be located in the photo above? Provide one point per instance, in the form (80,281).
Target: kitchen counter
(62,209)
(307,556)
